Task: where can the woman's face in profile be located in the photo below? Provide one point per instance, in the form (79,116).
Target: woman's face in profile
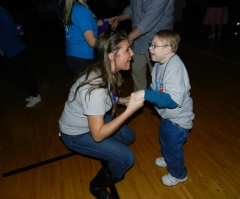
(123,57)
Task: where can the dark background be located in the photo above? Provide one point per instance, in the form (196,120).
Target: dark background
(26,13)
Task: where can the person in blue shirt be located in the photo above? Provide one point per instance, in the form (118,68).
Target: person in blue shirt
(148,17)
(81,29)
(169,92)
(15,53)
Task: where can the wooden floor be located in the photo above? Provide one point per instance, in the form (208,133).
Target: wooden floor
(29,136)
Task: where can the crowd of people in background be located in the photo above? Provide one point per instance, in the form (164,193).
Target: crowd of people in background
(40,16)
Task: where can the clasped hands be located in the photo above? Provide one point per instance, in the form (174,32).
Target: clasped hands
(135,99)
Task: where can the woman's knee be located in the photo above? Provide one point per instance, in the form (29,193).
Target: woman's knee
(129,160)
(128,135)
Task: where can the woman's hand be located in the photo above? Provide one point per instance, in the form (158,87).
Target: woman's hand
(99,22)
(123,100)
(134,103)
(138,95)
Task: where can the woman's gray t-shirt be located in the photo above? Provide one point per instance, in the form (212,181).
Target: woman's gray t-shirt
(74,117)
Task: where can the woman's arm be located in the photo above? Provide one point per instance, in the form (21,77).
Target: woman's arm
(100,130)
(90,38)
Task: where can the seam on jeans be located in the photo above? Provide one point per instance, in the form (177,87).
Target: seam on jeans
(90,149)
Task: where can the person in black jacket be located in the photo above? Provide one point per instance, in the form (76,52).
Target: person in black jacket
(15,56)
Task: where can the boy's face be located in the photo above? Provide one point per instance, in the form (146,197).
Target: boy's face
(158,50)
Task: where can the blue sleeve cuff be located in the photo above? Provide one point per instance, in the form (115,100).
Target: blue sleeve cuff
(161,99)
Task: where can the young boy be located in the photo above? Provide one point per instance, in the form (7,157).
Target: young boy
(169,91)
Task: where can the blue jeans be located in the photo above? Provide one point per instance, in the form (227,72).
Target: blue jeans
(113,149)
(172,137)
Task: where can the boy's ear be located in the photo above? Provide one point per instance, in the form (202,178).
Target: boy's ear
(111,56)
(168,49)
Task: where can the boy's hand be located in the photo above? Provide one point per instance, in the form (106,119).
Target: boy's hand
(139,94)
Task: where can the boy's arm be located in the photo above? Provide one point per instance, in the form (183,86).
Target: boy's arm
(161,99)
(149,88)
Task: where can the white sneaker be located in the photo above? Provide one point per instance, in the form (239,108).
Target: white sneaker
(28,99)
(33,100)
(169,180)
(160,162)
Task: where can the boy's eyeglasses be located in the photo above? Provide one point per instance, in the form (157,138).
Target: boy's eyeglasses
(155,46)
